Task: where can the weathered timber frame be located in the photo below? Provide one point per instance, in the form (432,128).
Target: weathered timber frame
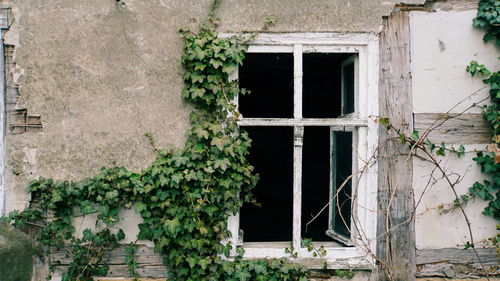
(366,132)
(396,251)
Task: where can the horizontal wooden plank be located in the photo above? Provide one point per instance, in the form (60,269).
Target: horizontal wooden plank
(128,279)
(456,256)
(457,129)
(144,255)
(430,263)
(121,270)
(456,263)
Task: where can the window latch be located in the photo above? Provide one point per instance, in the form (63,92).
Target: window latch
(298,136)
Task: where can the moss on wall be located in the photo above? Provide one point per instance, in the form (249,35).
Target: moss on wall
(15,254)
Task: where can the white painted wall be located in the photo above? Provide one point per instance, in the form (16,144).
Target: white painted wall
(442,45)
(435,229)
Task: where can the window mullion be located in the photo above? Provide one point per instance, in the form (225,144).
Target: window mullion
(297,184)
(298,143)
(297,81)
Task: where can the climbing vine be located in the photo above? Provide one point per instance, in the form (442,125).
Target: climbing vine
(184,198)
(489,161)
(488,17)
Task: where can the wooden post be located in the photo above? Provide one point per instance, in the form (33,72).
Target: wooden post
(395,225)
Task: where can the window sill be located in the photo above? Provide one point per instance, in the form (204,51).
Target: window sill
(337,256)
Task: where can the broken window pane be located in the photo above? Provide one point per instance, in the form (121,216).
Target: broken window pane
(340,215)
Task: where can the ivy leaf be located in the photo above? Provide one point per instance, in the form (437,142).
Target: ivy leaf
(140,206)
(229,69)
(111,194)
(219,143)
(222,163)
(144,232)
(260,268)
(243,275)
(148,188)
(204,263)
(177,178)
(120,235)
(197,77)
(172,226)
(415,135)
(442,150)
(199,66)
(461,151)
(215,63)
(201,133)
(86,207)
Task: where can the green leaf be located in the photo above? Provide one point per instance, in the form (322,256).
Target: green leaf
(120,235)
(415,135)
(140,206)
(222,163)
(172,226)
(86,207)
(243,275)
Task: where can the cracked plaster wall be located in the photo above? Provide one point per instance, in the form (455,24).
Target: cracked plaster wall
(100,76)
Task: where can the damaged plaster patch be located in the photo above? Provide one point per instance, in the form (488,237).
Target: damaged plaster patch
(442,47)
(29,162)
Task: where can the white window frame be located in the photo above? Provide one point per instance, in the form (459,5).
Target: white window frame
(365,140)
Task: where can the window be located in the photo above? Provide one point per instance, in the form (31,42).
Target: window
(310,117)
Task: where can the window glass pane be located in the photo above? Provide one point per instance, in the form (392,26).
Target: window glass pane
(341,170)
(269,77)
(315,181)
(272,156)
(321,82)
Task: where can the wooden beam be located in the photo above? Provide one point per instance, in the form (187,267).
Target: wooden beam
(395,224)
(463,129)
(430,263)
(456,263)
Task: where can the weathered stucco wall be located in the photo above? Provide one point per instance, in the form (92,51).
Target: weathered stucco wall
(442,45)
(101,74)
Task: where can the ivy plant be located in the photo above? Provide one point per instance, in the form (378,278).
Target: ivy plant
(488,17)
(489,161)
(184,197)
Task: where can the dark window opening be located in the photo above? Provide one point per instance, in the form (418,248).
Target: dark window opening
(341,170)
(269,77)
(328,92)
(272,156)
(348,84)
(321,84)
(315,181)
